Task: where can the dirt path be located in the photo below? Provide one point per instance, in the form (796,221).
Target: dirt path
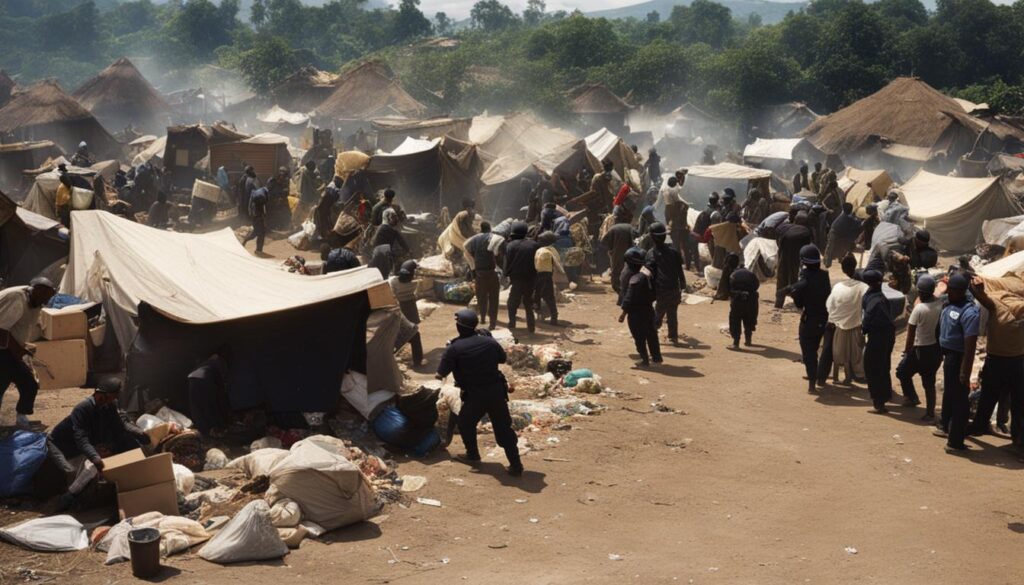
(758,482)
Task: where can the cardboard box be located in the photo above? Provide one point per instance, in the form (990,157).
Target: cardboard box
(67,323)
(144,484)
(61,364)
(381,296)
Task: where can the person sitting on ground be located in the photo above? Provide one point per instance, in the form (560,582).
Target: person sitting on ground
(94,430)
(338,259)
(158,216)
(82,157)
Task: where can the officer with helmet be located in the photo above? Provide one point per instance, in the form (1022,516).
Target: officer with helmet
(809,295)
(669,279)
(636,299)
(521,270)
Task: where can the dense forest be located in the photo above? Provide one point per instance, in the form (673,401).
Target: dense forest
(828,54)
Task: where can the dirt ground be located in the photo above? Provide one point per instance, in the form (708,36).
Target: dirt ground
(755,481)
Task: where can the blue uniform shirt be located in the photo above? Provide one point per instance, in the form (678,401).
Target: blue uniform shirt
(957,323)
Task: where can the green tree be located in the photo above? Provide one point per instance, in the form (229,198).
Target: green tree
(1001,97)
(442,24)
(755,74)
(653,17)
(132,17)
(258,13)
(902,14)
(703,21)
(534,13)
(931,53)
(409,22)
(198,29)
(267,64)
(492,15)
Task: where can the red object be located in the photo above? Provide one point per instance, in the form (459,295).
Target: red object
(620,198)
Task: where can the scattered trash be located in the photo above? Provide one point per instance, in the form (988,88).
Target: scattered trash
(898,439)
(265,443)
(215,459)
(412,483)
(249,536)
(534,520)
(614,557)
(497,546)
(429,502)
(850,550)
(521,500)
(679,443)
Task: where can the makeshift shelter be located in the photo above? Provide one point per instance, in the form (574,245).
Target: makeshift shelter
(7,86)
(1005,164)
(605,145)
(174,299)
(187,148)
(119,96)
(429,174)
(367,92)
(392,132)
(30,245)
(21,156)
(42,195)
(1001,231)
(266,153)
(953,209)
(785,120)
(864,186)
(1013,264)
(689,121)
(599,107)
(304,90)
(154,153)
(701,180)
(768,150)
(44,112)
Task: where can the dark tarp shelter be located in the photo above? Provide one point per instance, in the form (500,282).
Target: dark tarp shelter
(23,156)
(392,132)
(30,245)
(187,146)
(429,174)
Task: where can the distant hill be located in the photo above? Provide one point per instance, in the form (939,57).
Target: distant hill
(771,12)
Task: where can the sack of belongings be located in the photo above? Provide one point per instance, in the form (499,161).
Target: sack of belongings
(49,534)
(177,535)
(21,455)
(249,536)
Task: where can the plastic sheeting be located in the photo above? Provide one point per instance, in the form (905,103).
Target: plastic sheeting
(154,152)
(1000,231)
(21,455)
(774,148)
(728,171)
(279,115)
(1012,264)
(864,186)
(953,209)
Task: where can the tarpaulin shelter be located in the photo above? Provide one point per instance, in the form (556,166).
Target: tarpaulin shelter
(429,174)
(44,112)
(154,152)
(187,146)
(701,180)
(606,145)
(30,245)
(41,197)
(366,92)
(21,156)
(864,186)
(953,209)
(304,90)
(1002,230)
(392,132)
(767,150)
(174,299)
(120,96)
(264,152)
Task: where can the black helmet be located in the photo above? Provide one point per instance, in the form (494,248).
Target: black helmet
(635,256)
(519,229)
(466,318)
(408,268)
(658,229)
(810,254)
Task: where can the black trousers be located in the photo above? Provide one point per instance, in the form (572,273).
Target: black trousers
(644,330)
(411,313)
(742,315)
(1002,381)
(956,401)
(666,308)
(259,232)
(496,410)
(487,289)
(924,361)
(618,262)
(811,331)
(545,293)
(521,293)
(207,403)
(825,361)
(878,367)
(15,371)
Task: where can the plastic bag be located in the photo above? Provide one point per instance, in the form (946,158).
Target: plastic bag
(285,513)
(215,459)
(265,443)
(171,415)
(573,377)
(249,536)
(50,534)
(148,421)
(184,479)
(21,455)
(258,462)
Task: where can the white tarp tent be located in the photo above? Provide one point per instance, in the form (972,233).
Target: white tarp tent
(279,115)
(1012,264)
(412,146)
(154,152)
(774,148)
(727,171)
(191,278)
(1000,231)
(601,143)
(701,180)
(864,186)
(954,208)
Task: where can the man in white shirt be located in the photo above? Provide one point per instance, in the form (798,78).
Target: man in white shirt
(922,354)
(844,315)
(19,312)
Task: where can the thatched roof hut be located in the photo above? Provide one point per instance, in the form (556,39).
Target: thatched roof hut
(596,98)
(370,91)
(44,111)
(304,90)
(120,96)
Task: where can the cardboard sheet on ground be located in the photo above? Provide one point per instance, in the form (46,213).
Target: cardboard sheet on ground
(191,278)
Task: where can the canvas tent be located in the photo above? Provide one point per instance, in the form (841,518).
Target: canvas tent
(392,132)
(606,145)
(864,186)
(42,195)
(30,245)
(120,96)
(44,112)
(429,174)
(369,91)
(153,152)
(174,299)
(1001,231)
(953,209)
(701,180)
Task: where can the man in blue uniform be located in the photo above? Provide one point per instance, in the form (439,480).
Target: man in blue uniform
(809,295)
(958,337)
(473,357)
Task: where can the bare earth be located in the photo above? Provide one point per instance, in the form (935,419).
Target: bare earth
(758,482)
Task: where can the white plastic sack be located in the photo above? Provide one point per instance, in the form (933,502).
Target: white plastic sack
(50,534)
(148,421)
(81,199)
(332,444)
(177,534)
(215,459)
(249,536)
(258,462)
(184,479)
(265,443)
(354,390)
(170,415)
(328,487)
(292,537)
(712,275)
(285,513)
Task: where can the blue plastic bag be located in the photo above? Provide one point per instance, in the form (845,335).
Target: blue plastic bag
(393,427)
(572,378)
(21,456)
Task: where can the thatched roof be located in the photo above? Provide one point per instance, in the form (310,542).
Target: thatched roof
(305,89)
(42,103)
(596,98)
(120,95)
(370,91)
(908,112)
(7,86)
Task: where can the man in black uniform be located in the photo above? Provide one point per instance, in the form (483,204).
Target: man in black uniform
(520,269)
(743,285)
(618,239)
(636,300)
(809,294)
(473,357)
(669,279)
(878,326)
(703,221)
(792,238)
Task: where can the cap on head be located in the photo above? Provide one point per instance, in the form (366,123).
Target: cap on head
(82,144)
(408,268)
(958,282)
(109,385)
(729,193)
(43,282)
(926,284)
(519,229)
(871,277)
(635,256)
(923,236)
(810,255)
(658,229)
(467,318)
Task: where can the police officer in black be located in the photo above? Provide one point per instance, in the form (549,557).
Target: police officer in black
(880,330)
(743,285)
(520,269)
(636,297)
(669,279)
(809,294)
(473,358)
